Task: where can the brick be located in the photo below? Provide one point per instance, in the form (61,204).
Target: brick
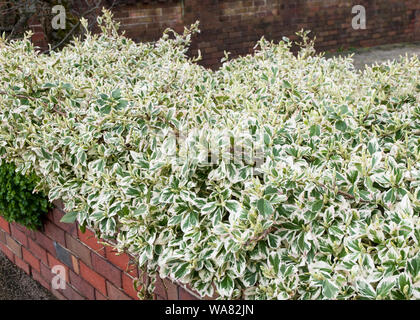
(79,250)
(45,242)
(82,286)
(158,297)
(172,289)
(106,269)
(115,293)
(121,260)
(52,262)
(70,228)
(185,295)
(37,37)
(99,296)
(49,216)
(71,294)
(75,264)
(31,260)
(31,234)
(4,225)
(14,246)
(54,232)
(58,204)
(89,239)
(128,286)
(167,289)
(38,278)
(17,226)
(58,294)
(37,250)
(46,272)
(22,264)
(95,279)
(63,255)
(7,252)
(18,235)
(2,237)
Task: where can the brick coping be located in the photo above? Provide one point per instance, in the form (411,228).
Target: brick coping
(92,271)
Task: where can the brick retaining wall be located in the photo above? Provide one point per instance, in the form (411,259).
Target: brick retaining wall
(236,25)
(93,271)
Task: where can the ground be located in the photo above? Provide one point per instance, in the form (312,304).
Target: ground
(380,54)
(17,285)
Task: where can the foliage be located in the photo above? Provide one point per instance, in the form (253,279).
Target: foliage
(18,202)
(321,201)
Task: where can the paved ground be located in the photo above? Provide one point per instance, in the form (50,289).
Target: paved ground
(380,54)
(17,285)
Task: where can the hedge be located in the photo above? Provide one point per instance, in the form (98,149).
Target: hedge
(18,202)
(278,176)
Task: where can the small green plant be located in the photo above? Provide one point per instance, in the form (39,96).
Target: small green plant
(18,202)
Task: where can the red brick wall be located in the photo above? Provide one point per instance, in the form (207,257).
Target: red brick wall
(236,25)
(417,25)
(93,271)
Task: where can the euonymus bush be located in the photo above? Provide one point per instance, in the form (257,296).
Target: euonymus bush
(18,202)
(275,177)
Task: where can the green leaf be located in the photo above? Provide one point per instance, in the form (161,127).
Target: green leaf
(98,216)
(384,288)
(301,242)
(189,221)
(341,125)
(273,240)
(315,130)
(106,109)
(329,289)
(265,208)
(413,266)
(181,270)
(373,146)
(390,196)
(287,84)
(135,192)
(226,286)
(116,94)
(70,217)
(317,205)
(209,208)
(233,206)
(49,85)
(404,284)
(38,112)
(365,289)
(250,278)
(275,262)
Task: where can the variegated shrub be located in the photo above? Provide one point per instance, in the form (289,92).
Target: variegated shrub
(322,200)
